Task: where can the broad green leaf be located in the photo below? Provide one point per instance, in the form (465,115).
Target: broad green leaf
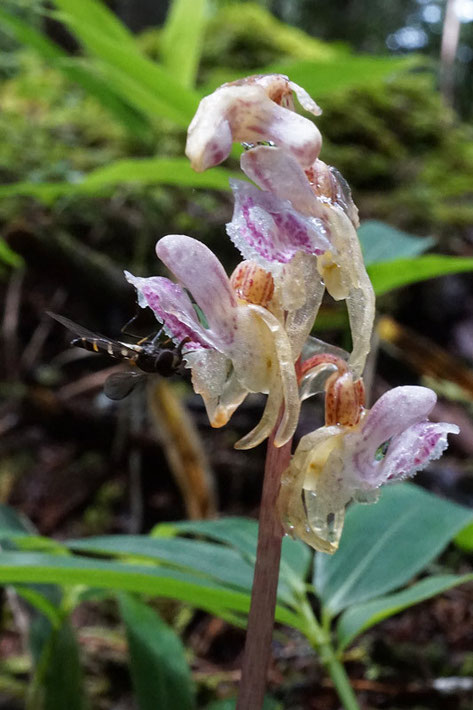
(401,272)
(384,545)
(75,70)
(139,171)
(464,539)
(159,670)
(358,618)
(12,522)
(242,534)
(381,242)
(182,39)
(198,591)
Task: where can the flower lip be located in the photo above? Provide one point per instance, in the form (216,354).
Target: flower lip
(258,108)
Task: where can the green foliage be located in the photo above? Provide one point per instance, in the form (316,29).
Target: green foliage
(182,39)
(383,548)
(400,272)
(159,669)
(380,242)
(408,159)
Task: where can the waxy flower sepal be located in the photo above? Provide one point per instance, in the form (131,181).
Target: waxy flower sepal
(337,463)
(257,108)
(242,347)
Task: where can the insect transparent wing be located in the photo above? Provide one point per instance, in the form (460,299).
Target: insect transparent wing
(120,384)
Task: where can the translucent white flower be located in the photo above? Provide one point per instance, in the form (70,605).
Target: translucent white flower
(258,108)
(337,463)
(243,346)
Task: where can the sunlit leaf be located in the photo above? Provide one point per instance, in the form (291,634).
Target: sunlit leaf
(381,242)
(384,545)
(358,618)
(401,272)
(182,39)
(159,670)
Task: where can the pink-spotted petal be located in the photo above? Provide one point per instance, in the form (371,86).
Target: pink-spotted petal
(172,307)
(265,227)
(248,111)
(199,270)
(393,413)
(412,450)
(274,170)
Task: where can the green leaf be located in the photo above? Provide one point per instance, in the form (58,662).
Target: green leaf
(159,670)
(381,242)
(139,171)
(97,14)
(384,545)
(360,617)
(198,591)
(12,522)
(58,679)
(401,272)
(268,704)
(325,77)
(217,561)
(464,539)
(242,534)
(182,39)
(75,70)
(132,73)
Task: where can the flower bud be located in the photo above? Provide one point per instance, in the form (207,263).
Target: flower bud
(344,400)
(252,283)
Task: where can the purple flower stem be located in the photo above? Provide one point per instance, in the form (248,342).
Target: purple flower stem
(257,653)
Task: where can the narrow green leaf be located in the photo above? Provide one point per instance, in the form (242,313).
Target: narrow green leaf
(464,539)
(136,72)
(381,242)
(324,77)
(75,70)
(401,272)
(198,591)
(159,670)
(131,171)
(220,562)
(182,39)
(97,14)
(360,617)
(384,545)
(62,683)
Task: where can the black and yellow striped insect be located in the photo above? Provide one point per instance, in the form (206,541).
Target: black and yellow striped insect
(150,355)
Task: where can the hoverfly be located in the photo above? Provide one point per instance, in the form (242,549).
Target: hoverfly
(149,355)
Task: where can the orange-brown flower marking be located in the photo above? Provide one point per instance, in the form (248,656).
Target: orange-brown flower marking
(344,396)
(344,400)
(252,283)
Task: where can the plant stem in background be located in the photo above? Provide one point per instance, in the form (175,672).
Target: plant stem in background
(257,652)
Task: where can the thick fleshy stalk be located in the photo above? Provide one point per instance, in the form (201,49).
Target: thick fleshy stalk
(257,652)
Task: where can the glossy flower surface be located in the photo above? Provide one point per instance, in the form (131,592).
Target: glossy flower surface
(242,348)
(258,108)
(336,464)
(311,214)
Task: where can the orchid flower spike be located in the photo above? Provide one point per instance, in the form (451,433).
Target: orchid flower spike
(338,463)
(258,108)
(300,226)
(243,346)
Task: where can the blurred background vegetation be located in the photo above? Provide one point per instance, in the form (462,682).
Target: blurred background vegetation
(94,107)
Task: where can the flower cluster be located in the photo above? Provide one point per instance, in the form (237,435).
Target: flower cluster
(295,227)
